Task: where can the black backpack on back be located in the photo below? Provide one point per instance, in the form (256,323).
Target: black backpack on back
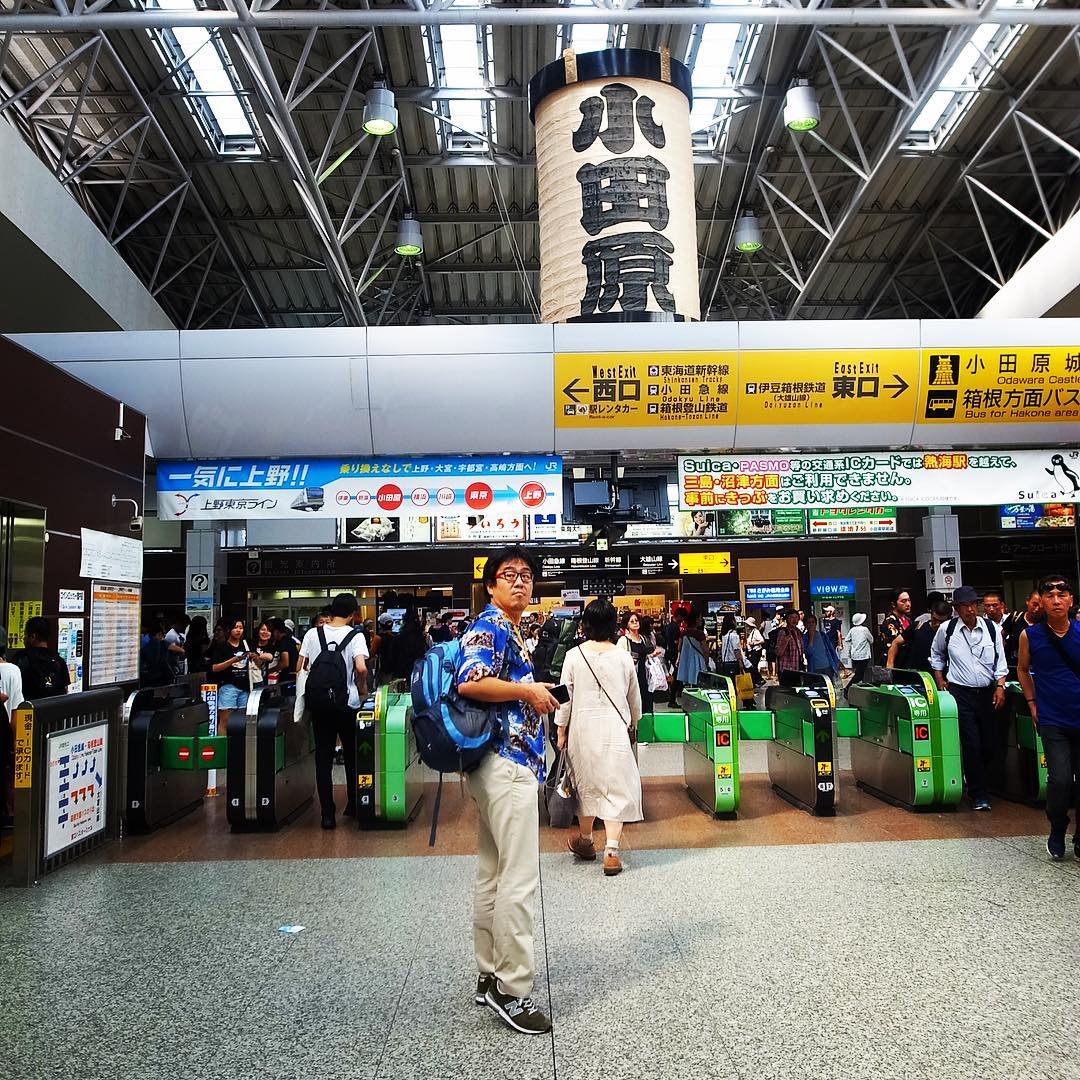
(328,679)
(44,673)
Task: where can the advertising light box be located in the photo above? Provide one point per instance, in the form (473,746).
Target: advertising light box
(359,487)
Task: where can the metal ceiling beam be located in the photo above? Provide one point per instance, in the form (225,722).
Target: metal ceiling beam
(362,18)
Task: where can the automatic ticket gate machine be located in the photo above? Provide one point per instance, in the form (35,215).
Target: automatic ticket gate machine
(271,765)
(389,772)
(711,747)
(907,746)
(1022,777)
(161,730)
(802,744)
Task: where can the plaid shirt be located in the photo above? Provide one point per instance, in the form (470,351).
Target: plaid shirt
(789,650)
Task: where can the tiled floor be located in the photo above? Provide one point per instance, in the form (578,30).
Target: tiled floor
(878,944)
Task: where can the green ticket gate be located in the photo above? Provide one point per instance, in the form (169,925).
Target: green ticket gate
(663,727)
(907,746)
(711,748)
(389,772)
(1022,772)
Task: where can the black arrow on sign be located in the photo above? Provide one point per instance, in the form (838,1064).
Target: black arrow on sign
(571,390)
(899,386)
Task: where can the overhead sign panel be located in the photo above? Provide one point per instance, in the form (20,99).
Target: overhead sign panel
(1004,384)
(704,562)
(827,386)
(922,478)
(635,390)
(851,521)
(357,487)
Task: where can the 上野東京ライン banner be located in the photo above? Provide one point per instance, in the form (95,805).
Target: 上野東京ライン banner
(879,478)
(356,487)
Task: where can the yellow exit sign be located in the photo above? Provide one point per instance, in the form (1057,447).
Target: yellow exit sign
(705,562)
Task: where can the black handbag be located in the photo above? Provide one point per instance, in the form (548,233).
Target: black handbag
(561,800)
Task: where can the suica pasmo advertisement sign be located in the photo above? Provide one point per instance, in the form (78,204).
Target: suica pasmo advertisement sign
(880,478)
(359,487)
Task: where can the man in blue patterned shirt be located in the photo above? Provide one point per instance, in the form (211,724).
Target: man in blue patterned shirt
(495,670)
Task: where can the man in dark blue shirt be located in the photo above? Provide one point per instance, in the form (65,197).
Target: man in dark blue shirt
(1048,667)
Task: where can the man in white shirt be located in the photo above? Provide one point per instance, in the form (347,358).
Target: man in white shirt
(971,651)
(337,721)
(175,639)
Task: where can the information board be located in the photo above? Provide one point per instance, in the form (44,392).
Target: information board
(879,478)
(768,594)
(1034,385)
(644,389)
(479,528)
(23,739)
(19,613)
(70,642)
(851,521)
(827,386)
(76,791)
(114,633)
(704,562)
(114,558)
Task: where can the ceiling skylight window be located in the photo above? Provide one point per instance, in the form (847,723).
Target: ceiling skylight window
(719,57)
(588,37)
(972,69)
(201,68)
(460,57)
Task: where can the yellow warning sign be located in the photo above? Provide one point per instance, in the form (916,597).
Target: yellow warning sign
(478,567)
(824,768)
(723,771)
(20,612)
(704,562)
(24,746)
(1028,385)
(679,389)
(922,764)
(365,780)
(833,386)
(1042,761)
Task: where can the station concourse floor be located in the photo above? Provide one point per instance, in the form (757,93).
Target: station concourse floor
(879,944)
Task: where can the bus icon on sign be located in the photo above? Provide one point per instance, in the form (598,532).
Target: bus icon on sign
(941,405)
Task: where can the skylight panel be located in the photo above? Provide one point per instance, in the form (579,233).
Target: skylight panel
(202,70)
(971,70)
(718,57)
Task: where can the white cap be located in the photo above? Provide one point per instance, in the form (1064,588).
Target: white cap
(751,622)
(290,624)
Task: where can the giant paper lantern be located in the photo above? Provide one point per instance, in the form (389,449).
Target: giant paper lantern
(618,238)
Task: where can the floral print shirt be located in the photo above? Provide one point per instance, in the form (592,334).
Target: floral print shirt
(492,647)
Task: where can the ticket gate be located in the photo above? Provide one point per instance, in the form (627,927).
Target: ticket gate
(802,750)
(711,747)
(907,746)
(389,772)
(1022,775)
(662,727)
(270,771)
(798,725)
(158,790)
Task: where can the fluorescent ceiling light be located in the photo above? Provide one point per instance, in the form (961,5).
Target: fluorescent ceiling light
(410,240)
(748,233)
(801,111)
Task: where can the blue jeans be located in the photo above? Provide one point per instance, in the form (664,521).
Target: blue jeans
(231,697)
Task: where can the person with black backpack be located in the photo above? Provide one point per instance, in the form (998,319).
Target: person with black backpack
(968,659)
(44,673)
(335,658)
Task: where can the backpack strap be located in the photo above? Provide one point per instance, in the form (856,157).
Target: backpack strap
(1059,645)
(323,644)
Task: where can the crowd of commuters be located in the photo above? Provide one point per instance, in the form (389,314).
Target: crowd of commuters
(610,671)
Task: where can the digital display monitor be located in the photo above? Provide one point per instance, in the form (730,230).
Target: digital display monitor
(592,493)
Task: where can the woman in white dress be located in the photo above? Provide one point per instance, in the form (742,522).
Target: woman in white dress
(597,730)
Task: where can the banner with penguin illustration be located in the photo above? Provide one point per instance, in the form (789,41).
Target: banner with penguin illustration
(880,478)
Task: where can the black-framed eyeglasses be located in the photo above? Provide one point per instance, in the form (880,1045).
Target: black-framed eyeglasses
(512,576)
